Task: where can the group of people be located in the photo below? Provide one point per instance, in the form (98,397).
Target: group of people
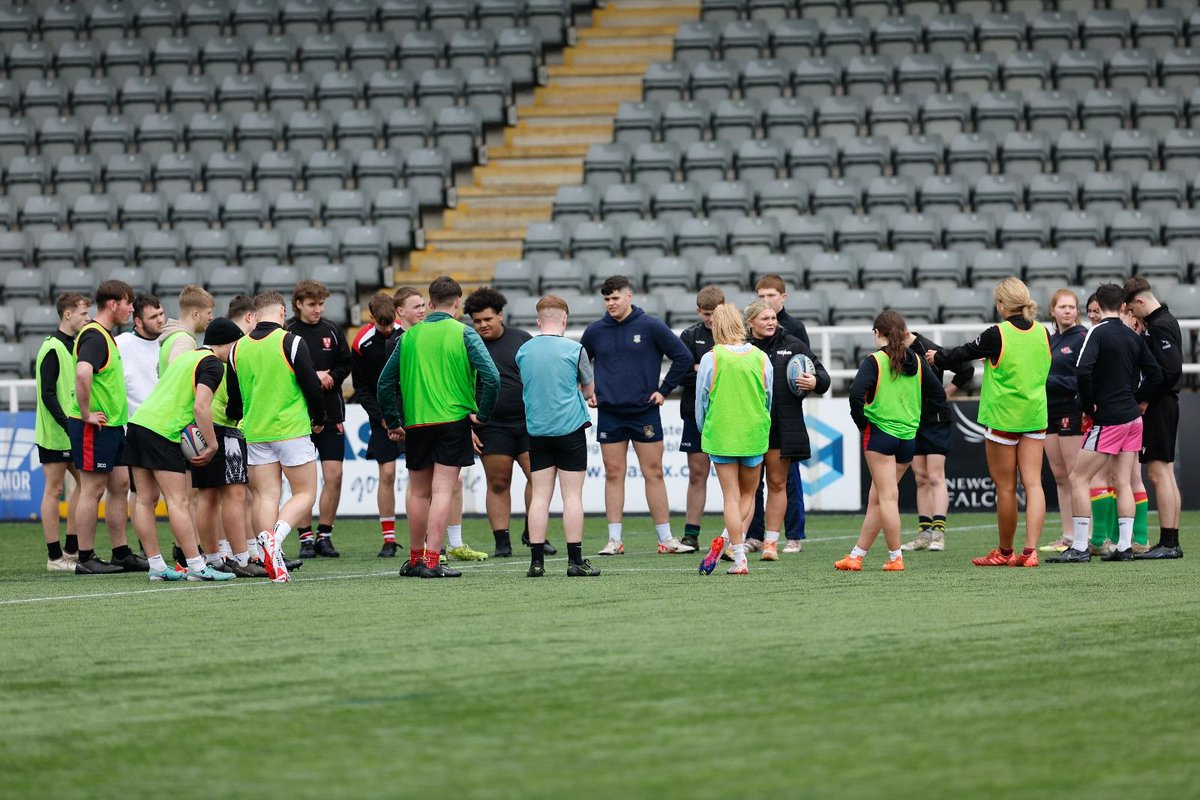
(265,393)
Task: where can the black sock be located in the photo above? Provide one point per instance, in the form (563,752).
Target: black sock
(1168,537)
(54,550)
(87,555)
(537,552)
(525,531)
(72,543)
(691,530)
(924,522)
(325,531)
(575,552)
(501,537)
(306,534)
(939,523)
(122,552)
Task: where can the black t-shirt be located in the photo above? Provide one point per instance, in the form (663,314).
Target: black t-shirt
(510,406)
(210,372)
(93,348)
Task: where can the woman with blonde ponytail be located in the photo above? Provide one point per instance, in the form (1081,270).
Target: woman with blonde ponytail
(1013,409)
(734,383)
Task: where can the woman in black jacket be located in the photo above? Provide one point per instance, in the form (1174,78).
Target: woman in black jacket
(1064,434)
(789,434)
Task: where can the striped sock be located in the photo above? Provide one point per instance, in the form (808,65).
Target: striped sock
(1141,508)
(388,527)
(1104,506)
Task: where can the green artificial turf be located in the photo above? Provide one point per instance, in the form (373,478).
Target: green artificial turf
(649,681)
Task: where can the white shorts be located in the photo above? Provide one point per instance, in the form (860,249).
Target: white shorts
(289,452)
(1011,439)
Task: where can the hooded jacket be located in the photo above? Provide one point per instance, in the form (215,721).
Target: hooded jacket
(788,431)
(628,360)
(180,344)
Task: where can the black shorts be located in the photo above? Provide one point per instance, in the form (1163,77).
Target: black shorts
(97,448)
(567,452)
(878,440)
(689,442)
(150,451)
(933,439)
(46,456)
(1160,428)
(382,449)
(503,438)
(331,442)
(447,443)
(228,466)
(644,426)
(1069,424)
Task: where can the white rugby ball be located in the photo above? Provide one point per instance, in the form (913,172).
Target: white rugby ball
(191,442)
(798,365)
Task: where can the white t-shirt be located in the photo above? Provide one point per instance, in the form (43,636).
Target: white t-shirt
(140,359)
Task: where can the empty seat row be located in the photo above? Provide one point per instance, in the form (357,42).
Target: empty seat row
(868,76)
(968,155)
(1000,33)
(488,89)
(251,19)
(723,11)
(1127,231)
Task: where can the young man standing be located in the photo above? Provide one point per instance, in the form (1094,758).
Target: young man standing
(55,373)
(427,393)
(96,421)
(627,348)
(183,394)
(283,406)
(180,335)
(1161,413)
(331,357)
(556,382)
(1110,397)
(504,440)
(367,358)
(773,291)
(698,340)
(410,309)
(139,348)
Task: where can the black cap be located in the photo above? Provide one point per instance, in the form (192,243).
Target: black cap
(222,331)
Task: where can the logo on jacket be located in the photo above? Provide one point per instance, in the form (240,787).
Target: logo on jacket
(637,338)
(327,342)
(1066,350)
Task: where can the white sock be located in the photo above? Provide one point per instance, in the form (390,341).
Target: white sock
(614,531)
(213,558)
(224,549)
(1081,533)
(254,549)
(196,565)
(739,553)
(725,534)
(772,536)
(453,536)
(157,563)
(894,554)
(1125,529)
(282,529)
(663,529)
(858,552)
(242,558)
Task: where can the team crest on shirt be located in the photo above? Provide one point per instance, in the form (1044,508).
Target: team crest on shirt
(327,342)
(637,338)
(1066,350)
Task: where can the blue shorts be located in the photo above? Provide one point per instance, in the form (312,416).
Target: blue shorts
(96,448)
(644,426)
(879,441)
(689,442)
(745,461)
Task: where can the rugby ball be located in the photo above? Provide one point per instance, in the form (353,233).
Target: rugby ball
(191,441)
(798,365)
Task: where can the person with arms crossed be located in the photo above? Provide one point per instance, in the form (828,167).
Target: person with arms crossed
(1161,411)
(427,393)
(698,340)
(55,374)
(504,441)
(1110,398)
(283,406)
(95,423)
(627,348)
(734,386)
(556,381)
(183,395)
(331,357)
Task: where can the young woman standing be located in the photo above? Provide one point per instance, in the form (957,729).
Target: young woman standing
(1064,433)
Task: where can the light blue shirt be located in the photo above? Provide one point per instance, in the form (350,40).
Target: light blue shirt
(552,370)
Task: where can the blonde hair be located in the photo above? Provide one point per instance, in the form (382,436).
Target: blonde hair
(194,298)
(727,325)
(1059,294)
(552,307)
(756,308)
(1013,296)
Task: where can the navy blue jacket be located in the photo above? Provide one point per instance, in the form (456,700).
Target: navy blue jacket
(1061,386)
(628,360)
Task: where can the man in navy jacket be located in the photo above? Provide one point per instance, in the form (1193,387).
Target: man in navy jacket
(628,347)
